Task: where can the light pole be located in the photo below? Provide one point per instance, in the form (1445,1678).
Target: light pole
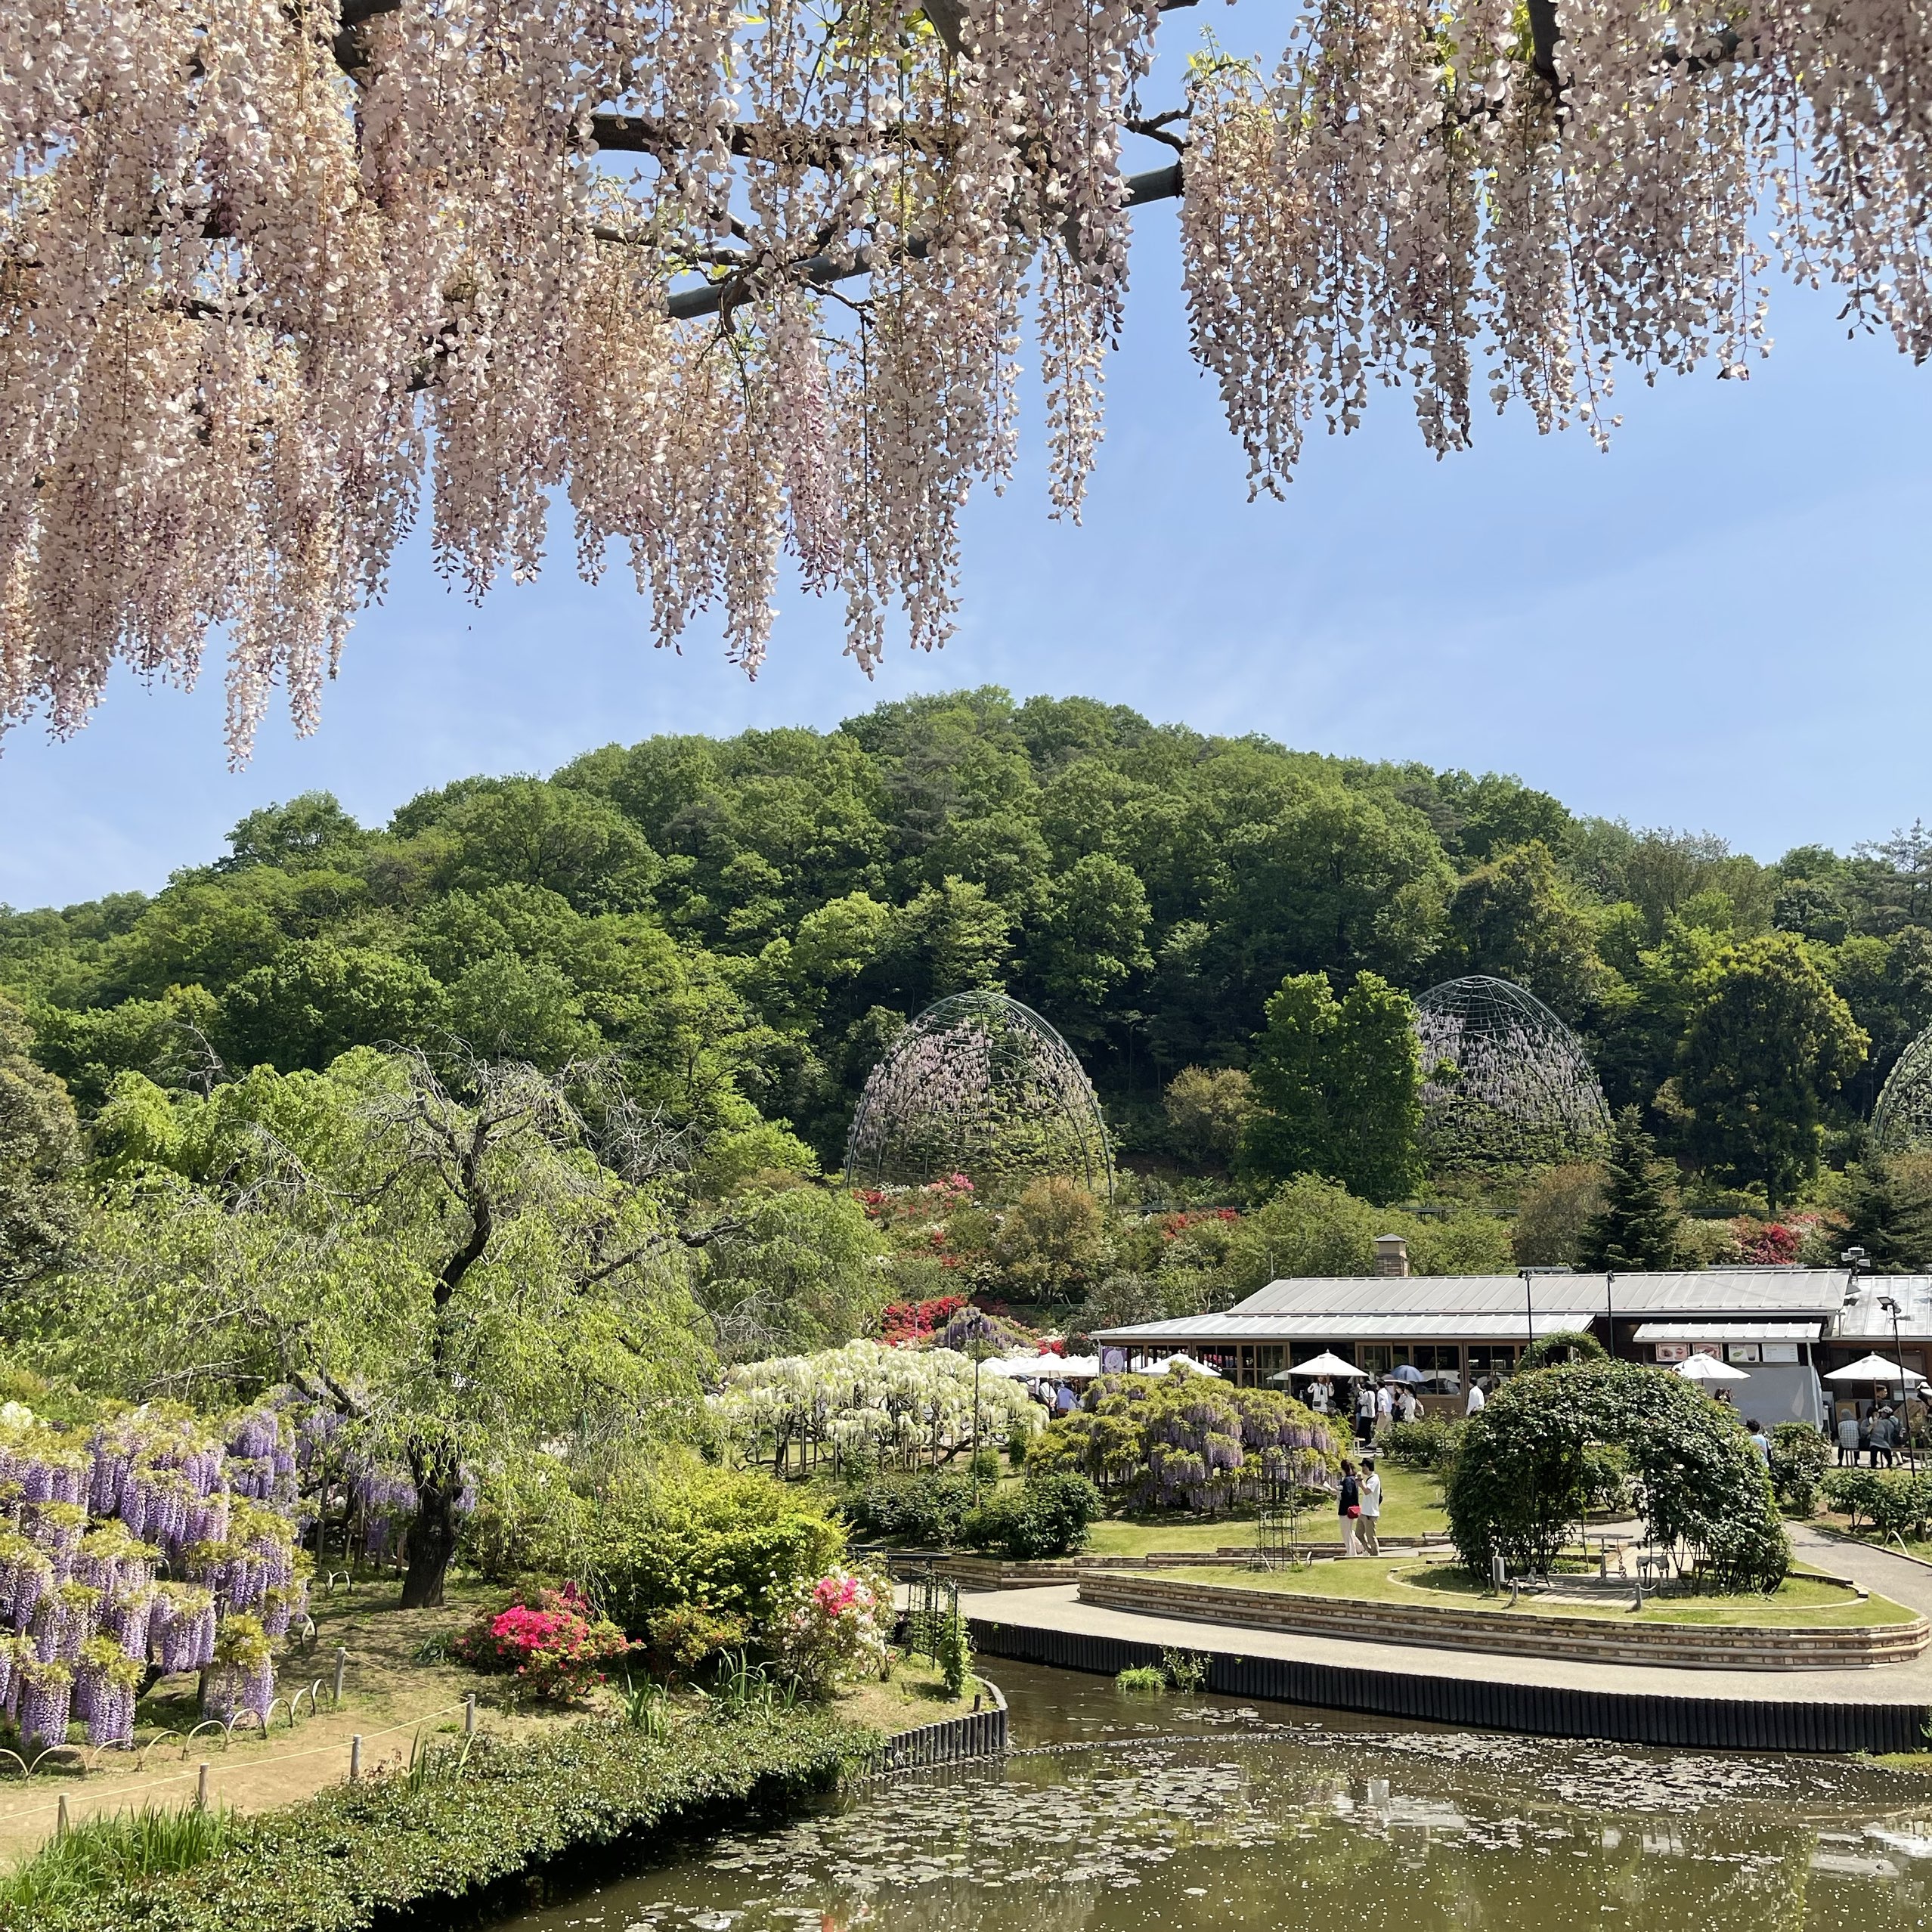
(1889,1304)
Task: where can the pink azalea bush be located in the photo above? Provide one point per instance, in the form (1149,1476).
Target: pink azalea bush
(840,1626)
(557,1648)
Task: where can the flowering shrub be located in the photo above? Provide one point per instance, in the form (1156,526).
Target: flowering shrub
(553,1647)
(912,1324)
(683,1641)
(839,1627)
(1769,1243)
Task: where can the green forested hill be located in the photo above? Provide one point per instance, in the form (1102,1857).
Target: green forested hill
(750,919)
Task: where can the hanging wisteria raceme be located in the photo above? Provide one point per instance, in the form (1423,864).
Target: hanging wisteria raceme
(87,1524)
(277,282)
(911,1405)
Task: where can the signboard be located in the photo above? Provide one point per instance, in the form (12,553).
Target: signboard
(1113,1361)
(1672,1351)
(1779,1351)
(1743,1351)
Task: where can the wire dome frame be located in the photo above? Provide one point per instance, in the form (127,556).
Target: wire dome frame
(1901,1121)
(1506,1086)
(981,1085)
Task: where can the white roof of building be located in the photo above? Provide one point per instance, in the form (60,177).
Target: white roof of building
(1474,1307)
(1864,1321)
(1728,1331)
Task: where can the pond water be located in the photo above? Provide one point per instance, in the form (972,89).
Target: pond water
(1121,1814)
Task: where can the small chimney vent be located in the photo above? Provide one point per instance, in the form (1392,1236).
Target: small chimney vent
(1391,1254)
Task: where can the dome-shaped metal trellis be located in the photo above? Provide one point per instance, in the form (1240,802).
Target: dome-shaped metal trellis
(1506,1085)
(1902,1121)
(981,1085)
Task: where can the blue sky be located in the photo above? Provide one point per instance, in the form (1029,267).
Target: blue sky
(1720,625)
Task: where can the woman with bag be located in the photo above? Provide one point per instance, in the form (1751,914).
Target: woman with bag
(1349,1507)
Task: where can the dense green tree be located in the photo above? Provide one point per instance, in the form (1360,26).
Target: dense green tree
(39,1151)
(1768,1044)
(1516,917)
(310,830)
(1635,1230)
(1093,940)
(1206,1112)
(1339,881)
(792,1269)
(1337,1088)
(525,832)
(316,999)
(1052,1243)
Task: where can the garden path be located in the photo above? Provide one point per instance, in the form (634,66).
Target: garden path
(1057,1608)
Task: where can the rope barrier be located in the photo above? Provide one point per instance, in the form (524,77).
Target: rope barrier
(176,1778)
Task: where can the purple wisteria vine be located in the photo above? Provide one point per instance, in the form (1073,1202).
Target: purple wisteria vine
(150,1544)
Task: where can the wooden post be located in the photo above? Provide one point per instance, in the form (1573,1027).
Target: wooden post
(355,1757)
(469,1715)
(341,1659)
(61,1820)
(201,1790)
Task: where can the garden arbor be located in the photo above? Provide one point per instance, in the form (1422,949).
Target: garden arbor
(743,282)
(1532,1458)
(1506,1086)
(981,1085)
(1901,1121)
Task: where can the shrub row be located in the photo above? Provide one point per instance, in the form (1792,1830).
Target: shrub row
(1894,1503)
(1047,1515)
(337,1862)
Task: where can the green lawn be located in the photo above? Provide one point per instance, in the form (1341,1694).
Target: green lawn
(1411,1506)
(1804,1600)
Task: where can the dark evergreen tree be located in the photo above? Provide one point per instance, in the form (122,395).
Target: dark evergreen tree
(1637,1228)
(1887,1210)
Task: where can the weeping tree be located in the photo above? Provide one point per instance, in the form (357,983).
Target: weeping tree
(745,283)
(459,1259)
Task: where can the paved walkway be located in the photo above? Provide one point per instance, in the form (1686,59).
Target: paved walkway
(1882,1572)
(1056,1607)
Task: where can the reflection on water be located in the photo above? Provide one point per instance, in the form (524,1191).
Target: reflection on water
(1119,1814)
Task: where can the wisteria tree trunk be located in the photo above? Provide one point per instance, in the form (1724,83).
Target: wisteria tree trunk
(432,1535)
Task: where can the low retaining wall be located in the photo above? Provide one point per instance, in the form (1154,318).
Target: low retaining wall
(1533,1633)
(980,1733)
(997,1573)
(1543,1710)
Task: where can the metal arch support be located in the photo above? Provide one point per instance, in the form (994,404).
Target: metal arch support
(978,1081)
(1523,1092)
(1902,1120)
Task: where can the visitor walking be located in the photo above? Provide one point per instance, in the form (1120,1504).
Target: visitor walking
(1370,1519)
(1476,1397)
(1385,1404)
(1349,1506)
(1759,1440)
(1365,1414)
(1407,1407)
(1321,1397)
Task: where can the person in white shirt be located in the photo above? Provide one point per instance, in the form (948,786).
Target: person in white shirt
(1365,1414)
(1407,1407)
(1368,1523)
(1319,1397)
(1477,1399)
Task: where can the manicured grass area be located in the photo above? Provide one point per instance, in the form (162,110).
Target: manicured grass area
(1804,1600)
(915,1693)
(1411,1506)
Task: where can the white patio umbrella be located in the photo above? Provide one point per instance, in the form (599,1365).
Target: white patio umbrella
(1874,1368)
(1325,1364)
(1185,1363)
(1709,1368)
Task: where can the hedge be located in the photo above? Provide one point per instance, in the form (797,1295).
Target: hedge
(337,1862)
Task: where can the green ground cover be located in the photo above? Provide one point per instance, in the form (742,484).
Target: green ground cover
(1803,1601)
(356,1854)
(1411,1506)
